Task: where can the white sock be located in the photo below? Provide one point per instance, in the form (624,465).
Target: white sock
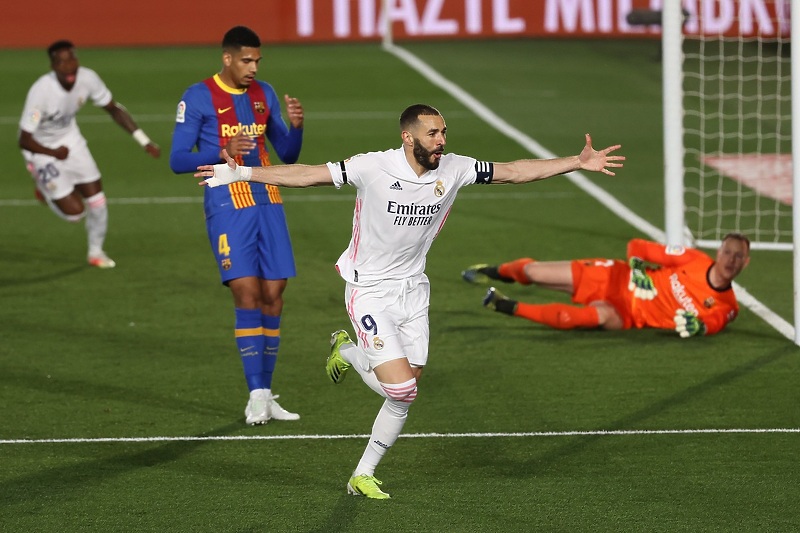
(358,360)
(96,222)
(387,427)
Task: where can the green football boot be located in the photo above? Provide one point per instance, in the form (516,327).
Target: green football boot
(365,485)
(483,274)
(336,367)
(497,301)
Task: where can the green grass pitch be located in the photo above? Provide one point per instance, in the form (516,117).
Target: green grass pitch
(145,351)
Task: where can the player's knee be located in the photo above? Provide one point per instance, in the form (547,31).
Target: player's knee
(68,210)
(401,392)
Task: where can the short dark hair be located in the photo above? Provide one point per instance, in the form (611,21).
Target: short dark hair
(239,37)
(57,46)
(412,113)
(738,237)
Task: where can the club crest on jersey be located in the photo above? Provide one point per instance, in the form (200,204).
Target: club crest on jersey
(260,107)
(377,343)
(181,116)
(709,302)
(226,264)
(438,191)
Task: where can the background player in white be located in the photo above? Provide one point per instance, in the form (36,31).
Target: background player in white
(56,153)
(403,199)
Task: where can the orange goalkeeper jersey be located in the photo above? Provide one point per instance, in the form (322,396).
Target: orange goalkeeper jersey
(682,283)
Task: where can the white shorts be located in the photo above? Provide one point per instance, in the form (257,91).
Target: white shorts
(56,178)
(390,319)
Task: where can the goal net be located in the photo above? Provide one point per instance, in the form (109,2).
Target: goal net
(736,121)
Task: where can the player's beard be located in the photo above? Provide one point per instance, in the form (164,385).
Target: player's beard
(423,156)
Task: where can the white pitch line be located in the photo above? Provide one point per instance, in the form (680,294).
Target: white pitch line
(302,198)
(527,434)
(309,116)
(579,179)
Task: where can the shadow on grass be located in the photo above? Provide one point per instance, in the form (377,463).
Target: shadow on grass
(24,280)
(39,381)
(578,444)
(71,482)
(342,515)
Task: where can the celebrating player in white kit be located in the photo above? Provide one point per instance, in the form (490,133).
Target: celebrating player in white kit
(56,153)
(404,197)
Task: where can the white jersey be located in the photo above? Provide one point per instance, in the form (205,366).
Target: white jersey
(398,214)
(49,113)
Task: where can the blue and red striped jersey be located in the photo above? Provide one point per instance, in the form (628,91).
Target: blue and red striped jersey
(210,113)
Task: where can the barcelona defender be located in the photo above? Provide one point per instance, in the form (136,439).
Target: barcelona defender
(246,223)
(686,290)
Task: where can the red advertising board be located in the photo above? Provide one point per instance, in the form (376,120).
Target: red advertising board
(169,22)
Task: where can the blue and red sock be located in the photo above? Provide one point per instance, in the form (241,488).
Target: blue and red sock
(250,341)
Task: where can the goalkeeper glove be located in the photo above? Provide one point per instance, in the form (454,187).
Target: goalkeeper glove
(225,175)
(688,325)
(640,284)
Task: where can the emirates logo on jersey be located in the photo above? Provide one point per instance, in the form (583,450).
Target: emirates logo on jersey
(709,302)
(260,107)
(438,191)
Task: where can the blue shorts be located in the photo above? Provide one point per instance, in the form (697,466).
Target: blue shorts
(253,241)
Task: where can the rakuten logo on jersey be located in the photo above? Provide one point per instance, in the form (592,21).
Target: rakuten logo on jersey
(251,130)
(679,292)
(412,214)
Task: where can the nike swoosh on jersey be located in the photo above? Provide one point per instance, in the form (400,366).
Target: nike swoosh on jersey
(222,110)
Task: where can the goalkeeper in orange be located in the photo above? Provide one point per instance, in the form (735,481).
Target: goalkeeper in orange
(676,288)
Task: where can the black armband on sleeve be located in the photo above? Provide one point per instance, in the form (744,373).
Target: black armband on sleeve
(484,172)
(344,171)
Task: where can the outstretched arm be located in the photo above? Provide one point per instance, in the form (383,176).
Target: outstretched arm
(124,119)
(525,170)
(659,254)
(280,175)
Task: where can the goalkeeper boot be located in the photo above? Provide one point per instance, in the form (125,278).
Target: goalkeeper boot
(364,485)
(100,260)
(497,301)
(276,412)
(257,410)
(336,367)
(483,274)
